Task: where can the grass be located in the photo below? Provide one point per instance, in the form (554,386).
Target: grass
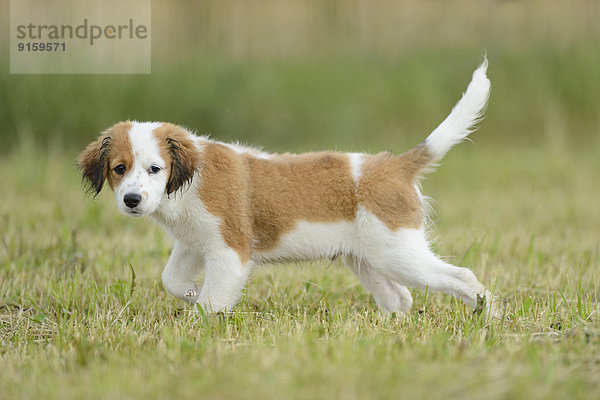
(83,313)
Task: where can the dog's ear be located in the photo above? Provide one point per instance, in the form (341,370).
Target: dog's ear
(93,163)
(184,157)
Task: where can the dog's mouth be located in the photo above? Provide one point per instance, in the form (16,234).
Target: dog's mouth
(134,213)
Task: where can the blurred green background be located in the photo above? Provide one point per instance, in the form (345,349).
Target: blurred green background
(348,75)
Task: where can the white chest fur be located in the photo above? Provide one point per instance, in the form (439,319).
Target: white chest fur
(185,218)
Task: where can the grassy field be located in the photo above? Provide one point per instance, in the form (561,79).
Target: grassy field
(76,323)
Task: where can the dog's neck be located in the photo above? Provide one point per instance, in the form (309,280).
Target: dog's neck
(183,215)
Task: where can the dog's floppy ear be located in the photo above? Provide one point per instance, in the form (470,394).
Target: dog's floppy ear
(184,156)
(93,163)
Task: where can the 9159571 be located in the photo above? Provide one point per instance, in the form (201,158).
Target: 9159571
(42,46)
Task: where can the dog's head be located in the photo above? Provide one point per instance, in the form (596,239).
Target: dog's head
(142,163)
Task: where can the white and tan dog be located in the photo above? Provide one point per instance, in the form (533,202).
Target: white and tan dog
(230,207)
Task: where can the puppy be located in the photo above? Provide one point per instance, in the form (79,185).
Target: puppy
(230,207)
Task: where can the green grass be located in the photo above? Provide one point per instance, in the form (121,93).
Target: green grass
(74,325)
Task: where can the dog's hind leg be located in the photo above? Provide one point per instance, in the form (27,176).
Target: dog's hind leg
(390,296)
(404,256)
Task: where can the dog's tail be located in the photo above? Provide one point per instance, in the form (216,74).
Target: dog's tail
(457,126)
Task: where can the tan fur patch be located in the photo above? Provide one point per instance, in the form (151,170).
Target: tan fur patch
(223,191)
(314,187)
(160,134)
(176,146)
(100,157)
(261,199)
(387,187)
(120,152)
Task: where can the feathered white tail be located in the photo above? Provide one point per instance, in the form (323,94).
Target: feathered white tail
(464,116)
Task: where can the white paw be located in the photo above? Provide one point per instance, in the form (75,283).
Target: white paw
(493,307)
(191,293)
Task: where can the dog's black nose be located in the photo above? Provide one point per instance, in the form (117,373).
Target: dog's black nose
(132,199)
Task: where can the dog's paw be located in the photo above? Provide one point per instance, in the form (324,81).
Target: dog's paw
(491,306)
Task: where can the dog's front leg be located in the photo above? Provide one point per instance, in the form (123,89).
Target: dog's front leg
(182,270)
(224,279)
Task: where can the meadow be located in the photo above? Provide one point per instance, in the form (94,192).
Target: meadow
(83,313)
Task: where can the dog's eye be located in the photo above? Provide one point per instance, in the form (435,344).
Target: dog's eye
(154,169)
(119,169)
